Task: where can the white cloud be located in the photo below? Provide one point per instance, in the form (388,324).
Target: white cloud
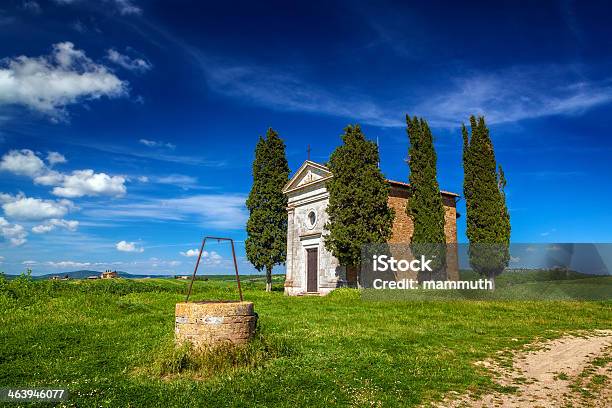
(48,84)
(157,143)
(124,246)
(79,183)
(191,252)
(214,258)
(131,64)
(49,178)
(29,263)
(27,208)
(87,183)
(55,158)
(211,257)
(54,223)
(14,233)
(43,228)
(22,162)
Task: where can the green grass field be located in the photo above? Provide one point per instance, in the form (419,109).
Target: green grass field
(105,341)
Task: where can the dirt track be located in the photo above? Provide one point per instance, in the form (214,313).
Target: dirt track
(573,371)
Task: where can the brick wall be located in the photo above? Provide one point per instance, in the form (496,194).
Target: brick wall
(403,227)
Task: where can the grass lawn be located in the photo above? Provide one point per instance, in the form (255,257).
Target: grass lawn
(99,340)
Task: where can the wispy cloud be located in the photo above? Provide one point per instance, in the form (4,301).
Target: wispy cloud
(504,96)
(178,180)
(31,6)
(288,92)
(131,64)
(150,154)
(124,7)
(222,211)
(157,143)
(516,94)
(127,7)
(280,89)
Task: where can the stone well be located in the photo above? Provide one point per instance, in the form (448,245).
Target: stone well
(212,323)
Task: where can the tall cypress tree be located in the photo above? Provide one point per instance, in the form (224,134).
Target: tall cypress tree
(425,206)
(358,192)
(266,244)
(488,220)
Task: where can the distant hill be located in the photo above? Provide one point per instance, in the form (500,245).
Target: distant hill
(84,273)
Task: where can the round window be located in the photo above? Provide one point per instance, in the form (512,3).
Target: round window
(312,218)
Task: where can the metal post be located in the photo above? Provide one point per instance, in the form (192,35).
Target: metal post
(236,267)
(196,269)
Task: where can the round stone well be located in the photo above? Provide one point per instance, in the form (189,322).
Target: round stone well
(211,323)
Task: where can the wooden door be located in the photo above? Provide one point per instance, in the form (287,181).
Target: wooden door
(312,263)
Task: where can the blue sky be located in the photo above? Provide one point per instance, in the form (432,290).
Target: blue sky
(127,127)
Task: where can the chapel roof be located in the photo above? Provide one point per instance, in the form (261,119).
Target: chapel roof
(292,183)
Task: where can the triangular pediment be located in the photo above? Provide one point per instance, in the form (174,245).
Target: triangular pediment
(308,173)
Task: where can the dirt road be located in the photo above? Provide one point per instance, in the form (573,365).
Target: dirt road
(573,371)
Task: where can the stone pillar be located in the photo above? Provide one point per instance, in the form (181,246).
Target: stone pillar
(207,324)
(289,262)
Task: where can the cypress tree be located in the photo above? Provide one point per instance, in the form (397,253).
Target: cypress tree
(488,220)
(425,206)
(358,212)
(266,244)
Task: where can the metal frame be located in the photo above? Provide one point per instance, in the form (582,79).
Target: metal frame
(198,264)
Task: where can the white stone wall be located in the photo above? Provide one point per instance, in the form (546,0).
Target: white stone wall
(302,235)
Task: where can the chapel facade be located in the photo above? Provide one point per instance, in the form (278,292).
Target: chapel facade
(311,268)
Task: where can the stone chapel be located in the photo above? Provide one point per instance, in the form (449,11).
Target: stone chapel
(311,268)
